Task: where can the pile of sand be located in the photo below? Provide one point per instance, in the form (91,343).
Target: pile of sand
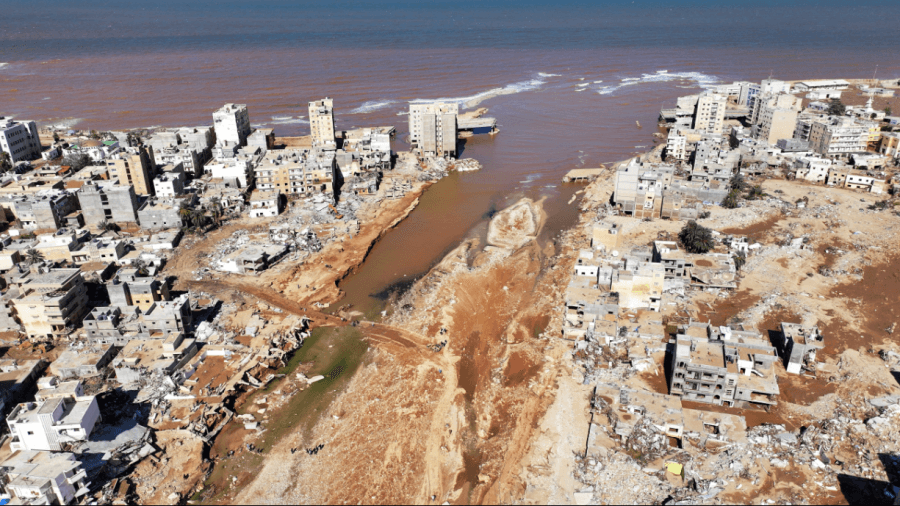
(516,225)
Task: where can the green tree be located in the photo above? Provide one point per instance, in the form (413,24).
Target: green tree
(836,107)
(731,200)
(33,256)
(737,182)
(107,225)
(755,193)
(215,210)
(140,266)
(5,162)
(696,238)
(185,213)
(77,161)
(887,110)
(55,137)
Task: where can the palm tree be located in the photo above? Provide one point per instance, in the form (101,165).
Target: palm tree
(185,213)
(5,162)
(216,210)
(33,256)
(696,238)
(197,217)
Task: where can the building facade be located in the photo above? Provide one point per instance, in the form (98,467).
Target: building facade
(135,167)
(232,124)
(321,123)
(52,301)
(20,140)
(709,115)
(108,201)
(432,127)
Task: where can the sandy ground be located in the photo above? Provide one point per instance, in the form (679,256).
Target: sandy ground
(456,424)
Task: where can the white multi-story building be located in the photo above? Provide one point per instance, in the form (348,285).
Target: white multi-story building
(709,116)
(264,204)
(232,124)
(44,477)
(321,123)
(169,184)
(748,93)
(48,425)
(432,127)
(676,144)
(19,139)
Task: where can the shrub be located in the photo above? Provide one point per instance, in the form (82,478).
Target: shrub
(755,193)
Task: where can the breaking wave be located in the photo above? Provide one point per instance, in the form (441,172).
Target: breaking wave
(509,89)
(288,120)
(3,65)
(701,80)
(372,105)
(544,74)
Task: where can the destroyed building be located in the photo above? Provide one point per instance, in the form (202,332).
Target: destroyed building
(251,258)
(140,357)
(800,344)
(82,362)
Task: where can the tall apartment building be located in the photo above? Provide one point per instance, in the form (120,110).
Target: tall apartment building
(748,93)
(834,137)
(135,167)
(232,124)
(676,144)
(19,139)
(709,116)
(432,127)
(777,118)
(51,301)
(107,201)
(321,123)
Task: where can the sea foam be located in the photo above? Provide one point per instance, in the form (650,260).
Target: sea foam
(288,120)
(662,76)
(372,105)
(509,89)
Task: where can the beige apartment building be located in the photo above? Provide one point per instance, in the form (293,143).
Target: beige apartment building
(834,137)
(778,118)
(297,171)
(135,168)
(321,123)
(709,116)
(52,301)
(432,127)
